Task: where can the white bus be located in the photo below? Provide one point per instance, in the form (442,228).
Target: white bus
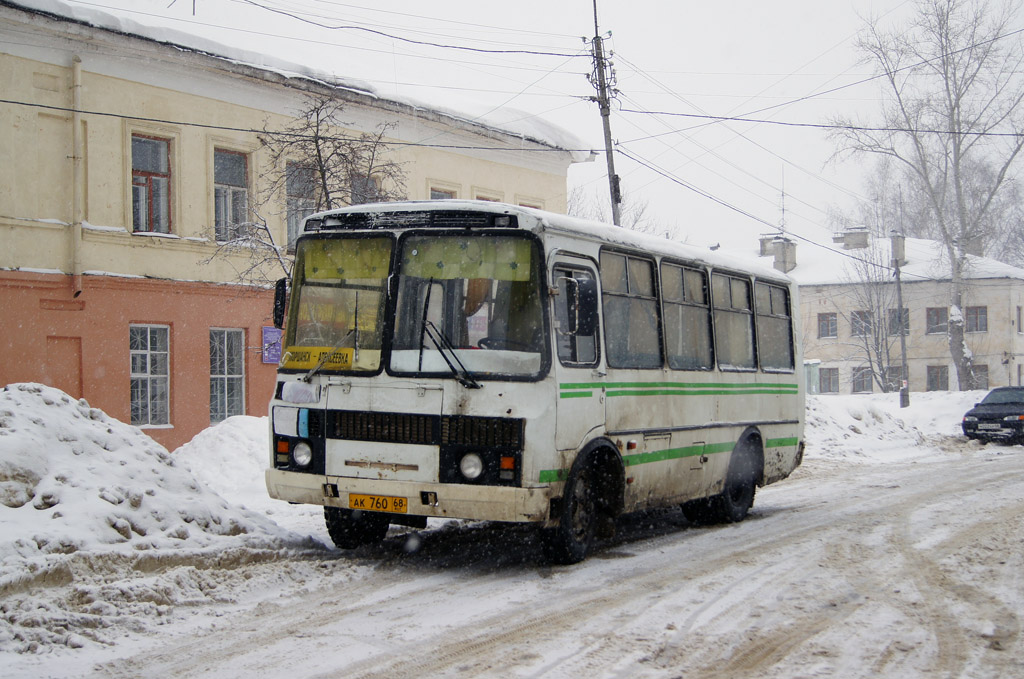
(475,360)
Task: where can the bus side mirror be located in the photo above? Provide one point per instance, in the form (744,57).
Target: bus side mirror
(280,302)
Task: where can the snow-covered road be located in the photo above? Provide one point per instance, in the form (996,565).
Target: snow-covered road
(893,552)
(899,570)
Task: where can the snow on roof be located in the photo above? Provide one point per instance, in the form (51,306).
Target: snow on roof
(506,120)
(830,264)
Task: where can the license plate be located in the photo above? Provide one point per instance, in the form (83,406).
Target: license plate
(990,426)
(378,503)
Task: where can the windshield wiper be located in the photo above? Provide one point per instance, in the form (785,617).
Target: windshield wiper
(445,347)
(324,358)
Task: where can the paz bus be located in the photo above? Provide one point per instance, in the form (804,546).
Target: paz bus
(476,360)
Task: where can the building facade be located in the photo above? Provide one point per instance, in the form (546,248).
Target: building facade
(851,320)
(126,161)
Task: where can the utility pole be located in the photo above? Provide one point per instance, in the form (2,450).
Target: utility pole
(605,106)
(898,252)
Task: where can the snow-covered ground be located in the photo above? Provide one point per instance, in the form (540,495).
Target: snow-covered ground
(896,550)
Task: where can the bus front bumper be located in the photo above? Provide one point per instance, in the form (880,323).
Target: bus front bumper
(442,500)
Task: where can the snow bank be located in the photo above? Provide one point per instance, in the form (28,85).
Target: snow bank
(872,427)
(83,492)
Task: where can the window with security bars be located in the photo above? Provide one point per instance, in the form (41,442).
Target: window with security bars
(227,374)
(230,194)
(149,349)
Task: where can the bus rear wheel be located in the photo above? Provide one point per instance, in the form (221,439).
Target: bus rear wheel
(570,541)
(350,529)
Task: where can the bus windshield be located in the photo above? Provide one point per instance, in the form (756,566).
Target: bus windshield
(469,303)
(335,318)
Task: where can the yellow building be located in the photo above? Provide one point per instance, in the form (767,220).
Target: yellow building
(122,162)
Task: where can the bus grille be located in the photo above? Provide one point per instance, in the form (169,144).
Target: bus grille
(457,430)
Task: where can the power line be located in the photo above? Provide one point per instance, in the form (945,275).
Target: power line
(401,39)
(824,126)
(701,192)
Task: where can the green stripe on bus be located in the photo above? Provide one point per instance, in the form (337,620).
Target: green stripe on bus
(571,389)
(576,394)
(553,475)
(695,392)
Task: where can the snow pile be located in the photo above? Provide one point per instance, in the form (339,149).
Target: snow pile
(230,458)
(81,492)
(872,427)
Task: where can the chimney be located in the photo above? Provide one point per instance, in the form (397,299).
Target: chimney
(899,249)
(853,239)
(767,241)
(785,254)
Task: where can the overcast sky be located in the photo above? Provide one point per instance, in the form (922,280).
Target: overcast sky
(728,58)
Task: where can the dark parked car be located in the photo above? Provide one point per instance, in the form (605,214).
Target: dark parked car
(999,417)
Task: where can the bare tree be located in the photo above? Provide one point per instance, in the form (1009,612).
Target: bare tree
(952,118)
(597,207)
(316,164)
(873,316)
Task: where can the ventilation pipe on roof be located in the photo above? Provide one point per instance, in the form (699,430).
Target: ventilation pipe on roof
(853,239)
(785,254)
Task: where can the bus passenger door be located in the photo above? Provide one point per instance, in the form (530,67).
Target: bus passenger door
(581,399)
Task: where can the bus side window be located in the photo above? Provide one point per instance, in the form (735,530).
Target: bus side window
(575,317)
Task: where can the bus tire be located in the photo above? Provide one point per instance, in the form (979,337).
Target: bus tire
(350,529)
(569,542)
(737,496)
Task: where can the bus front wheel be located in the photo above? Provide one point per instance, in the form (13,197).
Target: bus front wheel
(570,541)
(350,529)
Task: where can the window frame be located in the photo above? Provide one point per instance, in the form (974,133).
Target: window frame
(980,376)
(831,319)
(632,302)
(687,303)
(225,377)
(763,318)
(149,377)
(979,316)
(297,206)
(144,179)
(861,320)
(894,316)
(931,325)
(229,229)
(833,380)
(749,312)
(937,375)
(568,270)
(861,376)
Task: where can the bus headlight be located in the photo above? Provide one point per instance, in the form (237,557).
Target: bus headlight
(471,466)
(302,454)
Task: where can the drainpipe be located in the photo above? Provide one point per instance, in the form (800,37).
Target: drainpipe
(77,177)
